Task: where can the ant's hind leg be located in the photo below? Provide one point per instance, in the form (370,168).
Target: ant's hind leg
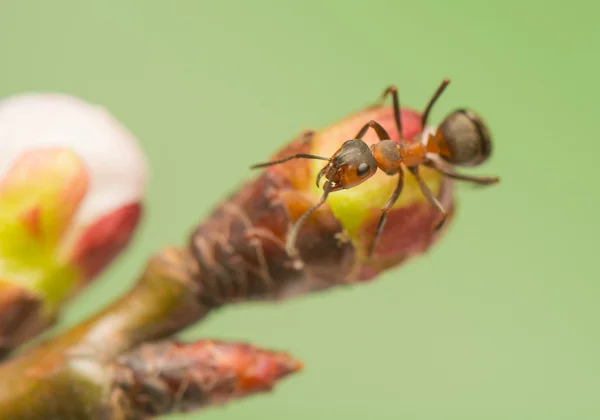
(480,180)
(432,101)
(429,196)
(381,133)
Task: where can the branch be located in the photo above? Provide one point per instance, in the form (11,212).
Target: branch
(100,369)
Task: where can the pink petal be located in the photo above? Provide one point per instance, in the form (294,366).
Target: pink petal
(105,239)
(112,156)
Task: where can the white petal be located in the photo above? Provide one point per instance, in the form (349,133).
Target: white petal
(116,163)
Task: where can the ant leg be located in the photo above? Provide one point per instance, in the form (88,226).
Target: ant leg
(385,210)
(393,90)
(429,196)
(434,98)
(381,133)
(296,156)
(290,242)
(481,180)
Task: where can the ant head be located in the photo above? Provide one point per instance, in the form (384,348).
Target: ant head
(352,164)
(464,139)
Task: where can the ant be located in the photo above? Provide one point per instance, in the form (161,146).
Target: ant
(462,139)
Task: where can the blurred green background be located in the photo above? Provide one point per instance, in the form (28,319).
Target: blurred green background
(499,320)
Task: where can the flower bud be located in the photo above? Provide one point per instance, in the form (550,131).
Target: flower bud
(169,377)
(72,180)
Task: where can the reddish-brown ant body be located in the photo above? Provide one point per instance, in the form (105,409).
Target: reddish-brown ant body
(462,139)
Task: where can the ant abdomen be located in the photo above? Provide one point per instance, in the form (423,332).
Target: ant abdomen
(464,139)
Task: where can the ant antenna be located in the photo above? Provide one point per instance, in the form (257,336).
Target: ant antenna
(296,156)
(432,101)
(290,246)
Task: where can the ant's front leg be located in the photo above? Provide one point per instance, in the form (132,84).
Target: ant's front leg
(381,133)
(393,90)
(384,211)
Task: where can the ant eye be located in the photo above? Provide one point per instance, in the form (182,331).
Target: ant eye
(362,169)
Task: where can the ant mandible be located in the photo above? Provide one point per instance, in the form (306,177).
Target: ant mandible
(462,139)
